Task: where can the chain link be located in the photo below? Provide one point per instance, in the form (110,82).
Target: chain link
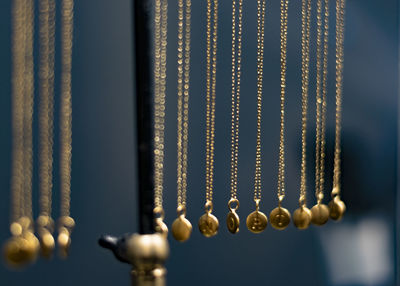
(283,39)
(340,18)
(184,18)
(321,88)
(66,105)
(46,89)
(236,76)
(260,66)
(211,51)
(305,44)
(160,36)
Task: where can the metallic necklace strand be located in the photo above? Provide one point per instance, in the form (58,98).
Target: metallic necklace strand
(160,62)
(337,206)
(233,220)
(280,217)
(257,221)
(208,223)
(302,215)
(182,228)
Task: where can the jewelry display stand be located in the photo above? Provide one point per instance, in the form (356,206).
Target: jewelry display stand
(146,251)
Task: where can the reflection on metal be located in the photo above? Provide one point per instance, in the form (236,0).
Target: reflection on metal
(146,253)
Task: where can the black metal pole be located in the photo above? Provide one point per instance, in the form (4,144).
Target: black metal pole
(144,62)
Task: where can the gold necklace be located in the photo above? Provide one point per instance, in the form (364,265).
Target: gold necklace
(182,228)
(46,88)
(320,212)
(233,220)
(208,223)
(23,246)
(280,217)
(160,36)
(257,221)
(302,215)
(337,206)
(66,223)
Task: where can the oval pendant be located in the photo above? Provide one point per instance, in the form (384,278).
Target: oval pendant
(337,208)
(233,222)
(302,217)
(279,218)
(319,214)
(208,225)
(256,222)
(181,229)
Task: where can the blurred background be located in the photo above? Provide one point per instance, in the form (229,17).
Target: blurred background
(360,250)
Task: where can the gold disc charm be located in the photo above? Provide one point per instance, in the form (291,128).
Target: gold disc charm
(45,226)
(66,225)
(279,218)
(208,223)
(302,217)
(232,220)
(181,227)
(337,208)
(256,221)
(319,214)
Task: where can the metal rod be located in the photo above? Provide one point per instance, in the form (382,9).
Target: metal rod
(143,61)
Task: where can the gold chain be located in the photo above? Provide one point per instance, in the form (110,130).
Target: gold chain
(260,66)
(18,91)
(208,223)
(46,89)
(340,12)
(305,43)
(283,38)
(321,99)
(236,74)
(28,109)
(279,216)
(181,227)
(160,36)
(46,107)
(257,221)
(23,246)
(66,223)
(212,29)
(183,98)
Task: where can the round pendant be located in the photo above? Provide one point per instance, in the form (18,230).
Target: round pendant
(256,221)
(302,217)
(337,209)
(279,218)
(47,245)
(208,225)
(161,227)
(319,214)
(181,228)
(233,222)
(16,251)
(64,242)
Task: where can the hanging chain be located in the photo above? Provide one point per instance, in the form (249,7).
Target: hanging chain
(260,66)
(46,88)
(340,12)
(305,44)
(18,91)
(236,74)
(283,39)
(211,50)
(45,224)
(321,99)
(28,110)
(183,97)
(66,223)
(160,34)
